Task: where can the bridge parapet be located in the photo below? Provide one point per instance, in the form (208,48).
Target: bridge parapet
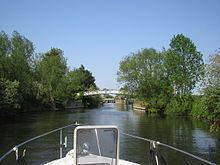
(102,92)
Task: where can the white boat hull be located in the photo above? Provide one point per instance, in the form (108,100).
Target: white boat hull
(89,159)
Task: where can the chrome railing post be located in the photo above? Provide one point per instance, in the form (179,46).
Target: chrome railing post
(65,142)
(16,153)
(61,143)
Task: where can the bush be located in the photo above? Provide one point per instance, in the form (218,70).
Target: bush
(152,110)
(199,109)
(8,91)
(92,101)
(212,102)
(180,105)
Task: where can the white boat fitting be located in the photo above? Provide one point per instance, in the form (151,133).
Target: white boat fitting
(94,145)
(90,145)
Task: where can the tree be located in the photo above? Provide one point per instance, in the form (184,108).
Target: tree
(51,70)
(213,70)
(212,91)
(128,73)
(5,51)
(184,64)
(27,81)
(21,60)
(78,81)
(16,59)
(143,74)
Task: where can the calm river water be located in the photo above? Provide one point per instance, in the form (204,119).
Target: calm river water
(184,133)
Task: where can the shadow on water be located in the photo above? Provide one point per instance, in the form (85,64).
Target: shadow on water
(182,132)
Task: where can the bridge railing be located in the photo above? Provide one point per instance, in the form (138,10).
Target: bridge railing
(102,92)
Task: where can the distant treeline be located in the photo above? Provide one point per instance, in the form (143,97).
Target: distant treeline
(164,81)
(39,80)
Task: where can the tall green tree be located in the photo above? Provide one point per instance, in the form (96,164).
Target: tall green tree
(184,64)
(143,74)
(5,52)
(16,59)
(212,91)
(21,60)
(128,73)
(51,70)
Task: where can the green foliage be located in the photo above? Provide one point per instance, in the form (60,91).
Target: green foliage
(51,70)
(212,102)
(5,51)
(212,92)
(180,105)
(173,106)
(164,79)
(199,108)
(92,101)
(8,91)
(45,81)
(78,81)
(152,110)
(16,55)
(159,103)
(215,127)
(144,76)
(184,64)
(213,71)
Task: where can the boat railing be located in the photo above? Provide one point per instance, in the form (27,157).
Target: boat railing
(67,132)
(62,144)
(155,144)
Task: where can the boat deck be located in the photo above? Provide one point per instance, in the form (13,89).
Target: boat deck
(88,160)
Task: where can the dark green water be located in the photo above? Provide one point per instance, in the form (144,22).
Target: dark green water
(184,133)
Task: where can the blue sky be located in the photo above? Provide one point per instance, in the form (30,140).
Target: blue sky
(99,33)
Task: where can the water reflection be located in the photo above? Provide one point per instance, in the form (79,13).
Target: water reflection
(184,133)
(203,142)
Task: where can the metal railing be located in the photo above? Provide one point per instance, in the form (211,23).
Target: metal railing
(156,143)
(61,143)
(64,144)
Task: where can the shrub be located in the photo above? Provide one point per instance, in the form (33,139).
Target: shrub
(8,91)
(180,105)
(199,109)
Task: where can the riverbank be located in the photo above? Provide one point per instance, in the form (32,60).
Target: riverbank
(12,111)
(193,107)
(85,102)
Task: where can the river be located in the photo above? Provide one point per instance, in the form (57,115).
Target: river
(182,132)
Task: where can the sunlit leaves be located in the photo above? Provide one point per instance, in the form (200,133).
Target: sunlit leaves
(8,92)
(51,70)
(79,80)
(184,64)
